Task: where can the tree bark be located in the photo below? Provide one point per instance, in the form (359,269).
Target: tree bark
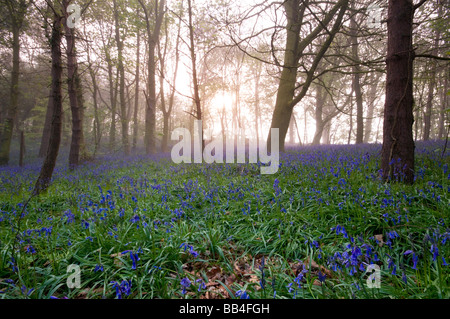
(397,160)
(432,83)
(320,101)
(121,70)
(136,93)
(97,128)
(113,90)
(153,26)
(74,94)
(370,107)
(258,71)
(198,107)
(444,105)
(22,148)
(48,166)
(47,127)
(356,83)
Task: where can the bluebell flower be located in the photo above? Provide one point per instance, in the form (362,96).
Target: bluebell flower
(434,249)
(322,277)
(242,294)
(30,249)
(26,291)
(70,216)
(98,268)
(290,287)
(84,224)
(185,283)
(13,264)
(201,286)
(405,280)
(134,258)
(262,282)
(123,288)
(135,219)
(191,249)
(394,270)
(415,260)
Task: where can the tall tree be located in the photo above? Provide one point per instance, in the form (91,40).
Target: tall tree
(432,81)
(121,71)
(295,46)
(17,10)
(48,166)
(198,106)
(397,155)
(356,81)
(153,20)
(371,96)
(136,93)
(167,111)
(74,91)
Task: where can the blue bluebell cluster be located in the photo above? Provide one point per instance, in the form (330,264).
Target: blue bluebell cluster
(185,283)
(191,249)
(124,288)
(242,294)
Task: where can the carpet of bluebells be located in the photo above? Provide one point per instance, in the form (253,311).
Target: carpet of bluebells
(144,227)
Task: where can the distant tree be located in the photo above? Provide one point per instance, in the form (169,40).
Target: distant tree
(198,106)
(121,72)
(15,18)
(167,108)
(136,94)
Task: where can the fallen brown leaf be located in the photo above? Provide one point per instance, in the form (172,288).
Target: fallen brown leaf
(379,237)
(316,266)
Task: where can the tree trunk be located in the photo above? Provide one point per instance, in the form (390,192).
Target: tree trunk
(22,148)
(113,99)
(356,83)
(198,107)
(48,166)
(318,112)
(47,127)
(121,70)
(326,133)
(428,105)
(150,95)
(444,105)
(370,108)
(432,83)
(350,129)
(397,160)
(97,128)
(136,94)
(150,111)
(74,96)
(11,109)
(258,71)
